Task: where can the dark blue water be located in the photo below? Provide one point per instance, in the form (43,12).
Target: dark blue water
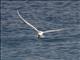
(18,41)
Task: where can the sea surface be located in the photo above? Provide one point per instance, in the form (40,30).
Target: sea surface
(19,41)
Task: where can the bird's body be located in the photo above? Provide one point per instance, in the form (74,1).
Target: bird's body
(39,33)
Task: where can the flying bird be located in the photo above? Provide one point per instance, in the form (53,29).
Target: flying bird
(40,34)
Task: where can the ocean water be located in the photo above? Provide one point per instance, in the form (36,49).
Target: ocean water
(18,40)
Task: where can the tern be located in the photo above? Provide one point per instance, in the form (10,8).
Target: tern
(40,34)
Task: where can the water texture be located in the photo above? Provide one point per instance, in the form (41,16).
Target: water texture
(19,42)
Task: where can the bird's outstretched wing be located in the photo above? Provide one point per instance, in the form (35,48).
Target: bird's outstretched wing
(27,21)
(53,30)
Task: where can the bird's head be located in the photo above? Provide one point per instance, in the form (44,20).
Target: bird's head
(40,33)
